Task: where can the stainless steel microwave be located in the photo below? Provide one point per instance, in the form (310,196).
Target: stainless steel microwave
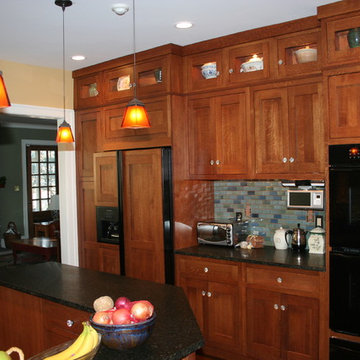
(305,199)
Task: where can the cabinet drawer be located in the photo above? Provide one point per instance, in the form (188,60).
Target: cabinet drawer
(281,279)
(208,270)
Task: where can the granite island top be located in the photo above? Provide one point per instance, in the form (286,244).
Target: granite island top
(176,333)
(263,256)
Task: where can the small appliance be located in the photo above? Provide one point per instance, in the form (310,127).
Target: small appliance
(305,199)
(298,238)
(221,232)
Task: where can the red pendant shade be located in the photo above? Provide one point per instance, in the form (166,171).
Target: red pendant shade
(135,116)
(4,98)
(64,134)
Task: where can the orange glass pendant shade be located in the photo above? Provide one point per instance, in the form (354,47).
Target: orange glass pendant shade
(4,98)
(64,134)
(135,116)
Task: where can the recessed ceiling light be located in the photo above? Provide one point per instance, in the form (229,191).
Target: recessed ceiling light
(120,9)
(78,57)
(184,24)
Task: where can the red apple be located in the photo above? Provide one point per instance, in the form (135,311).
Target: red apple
(102,317)
(142,310)
(121,317)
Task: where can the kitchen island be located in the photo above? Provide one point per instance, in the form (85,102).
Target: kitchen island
(176,333)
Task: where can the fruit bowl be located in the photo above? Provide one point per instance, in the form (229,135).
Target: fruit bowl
(122,337)
(58,348)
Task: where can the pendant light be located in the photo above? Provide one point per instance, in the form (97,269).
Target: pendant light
(135,116)
(64,134)
(4,98)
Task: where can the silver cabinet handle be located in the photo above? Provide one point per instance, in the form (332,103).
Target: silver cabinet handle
(276,306)
(291,159)
(206,269)
(279,280)
(203,292)
(284,160)
(280,62)
(69,323)
(217,162)
(209,294)
(217,73)
(282,307)
(212,162)
(231,71)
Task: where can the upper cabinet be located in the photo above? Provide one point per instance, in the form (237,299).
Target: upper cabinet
(299,54)
(88,91)
(340,25)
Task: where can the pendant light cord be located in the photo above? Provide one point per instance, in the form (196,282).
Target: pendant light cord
(134,48)
(63,8)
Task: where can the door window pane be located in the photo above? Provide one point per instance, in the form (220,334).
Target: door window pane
(43,155)
(34,168)
(34,155)
(43,168)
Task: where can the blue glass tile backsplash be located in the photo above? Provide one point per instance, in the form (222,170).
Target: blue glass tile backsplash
(267,201)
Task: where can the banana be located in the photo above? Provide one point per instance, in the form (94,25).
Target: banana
(87,345)
(72,350)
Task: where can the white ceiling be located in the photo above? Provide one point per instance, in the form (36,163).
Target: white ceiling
(31,30)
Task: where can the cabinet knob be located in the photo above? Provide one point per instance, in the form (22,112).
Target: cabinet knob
(203,292)
(291,159)
(282,307)
(217,73)
(280,62)
(231,71)
(69,323)
(276,306)
(217,162)
(212,162)
(206,269)
(279,280)
(209,294)
(284,160)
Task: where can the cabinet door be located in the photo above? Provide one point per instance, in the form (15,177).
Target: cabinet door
(222,318)
(307,142)
(143,215)
(86,141)
(263,324)
(118,84)
(344,106)
(88,91)
(202,137)
(105,177)
(271,131)
(109,258)
(232,146)
(300,327)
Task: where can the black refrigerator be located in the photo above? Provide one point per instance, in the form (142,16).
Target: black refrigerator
(146,214)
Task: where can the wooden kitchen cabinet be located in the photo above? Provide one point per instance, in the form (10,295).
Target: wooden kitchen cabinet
(88,91)
(106,179)
(113,137)
(109,256)
(219,136)
(287,63)
(289,131)
(214,296)
(344,107)
(289,301)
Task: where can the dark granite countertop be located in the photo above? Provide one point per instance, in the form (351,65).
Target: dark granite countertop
(176,333)
(264,256)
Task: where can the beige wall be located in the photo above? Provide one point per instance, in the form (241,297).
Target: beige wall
(36,85)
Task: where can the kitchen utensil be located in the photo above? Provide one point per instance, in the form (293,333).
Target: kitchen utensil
(298,238)
(316,241)
(281,241)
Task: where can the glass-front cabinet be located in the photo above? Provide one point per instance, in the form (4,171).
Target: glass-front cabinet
(88,91)
(118,83)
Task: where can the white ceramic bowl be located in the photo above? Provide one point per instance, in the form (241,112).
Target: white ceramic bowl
(306,55)
(252,66)
(208,70)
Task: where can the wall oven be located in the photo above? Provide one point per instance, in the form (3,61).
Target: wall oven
(344,219)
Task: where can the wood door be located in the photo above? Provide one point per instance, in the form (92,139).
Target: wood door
(143,215)
(88,91)
(106,179)
(344,106)
(300,328)
(307,141)
(222,316)
(25,311)
(271,131)
(232,131)
(202,137)
(263,324)
(118,84)
(86,142)
(109,256)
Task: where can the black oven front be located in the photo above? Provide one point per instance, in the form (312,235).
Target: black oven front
(344,220)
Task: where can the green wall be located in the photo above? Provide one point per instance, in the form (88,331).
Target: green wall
(11,202)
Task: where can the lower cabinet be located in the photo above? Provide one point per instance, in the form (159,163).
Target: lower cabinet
(251,311)
(214,296)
